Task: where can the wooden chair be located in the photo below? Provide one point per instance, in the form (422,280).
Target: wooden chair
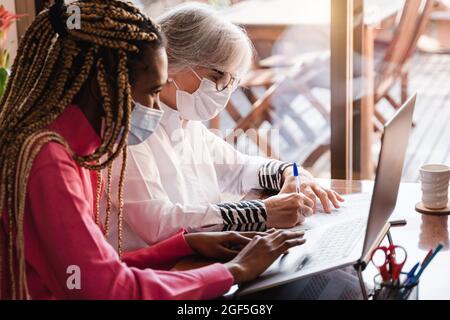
(396,63)
(272,105)
(394,66)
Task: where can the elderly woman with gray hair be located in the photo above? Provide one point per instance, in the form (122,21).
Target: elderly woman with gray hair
(177,177)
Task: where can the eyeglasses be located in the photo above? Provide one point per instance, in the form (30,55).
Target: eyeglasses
(226,81)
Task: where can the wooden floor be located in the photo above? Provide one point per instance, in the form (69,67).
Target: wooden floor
(430,139)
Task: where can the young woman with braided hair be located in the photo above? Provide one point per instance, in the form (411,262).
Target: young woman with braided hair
(75,100)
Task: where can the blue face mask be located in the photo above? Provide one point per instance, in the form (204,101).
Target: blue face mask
(144,122)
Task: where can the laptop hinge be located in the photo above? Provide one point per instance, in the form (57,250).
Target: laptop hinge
(362,263)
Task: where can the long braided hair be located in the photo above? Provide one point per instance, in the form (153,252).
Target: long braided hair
(52,66)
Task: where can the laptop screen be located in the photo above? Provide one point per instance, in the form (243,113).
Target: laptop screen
(389,172)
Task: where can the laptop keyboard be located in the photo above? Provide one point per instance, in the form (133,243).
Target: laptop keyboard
(337,242)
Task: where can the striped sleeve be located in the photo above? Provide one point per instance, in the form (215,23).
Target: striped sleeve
(244,212)
(250,227)
(271,174)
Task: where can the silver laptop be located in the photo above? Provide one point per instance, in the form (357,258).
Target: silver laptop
(342,244)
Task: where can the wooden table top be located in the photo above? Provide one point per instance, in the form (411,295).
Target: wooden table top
(303,12)
(421,234)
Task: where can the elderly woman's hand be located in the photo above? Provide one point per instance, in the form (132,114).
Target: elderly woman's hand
(312,190)
(287,210)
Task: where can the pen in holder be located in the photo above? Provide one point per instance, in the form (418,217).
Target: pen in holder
(397,290)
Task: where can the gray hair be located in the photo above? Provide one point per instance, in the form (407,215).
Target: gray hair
(198,36)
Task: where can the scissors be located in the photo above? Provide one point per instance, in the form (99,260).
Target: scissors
(389,261)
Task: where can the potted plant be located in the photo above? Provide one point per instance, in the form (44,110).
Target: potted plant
(6,20)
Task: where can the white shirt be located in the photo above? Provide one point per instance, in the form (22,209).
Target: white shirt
(176,179)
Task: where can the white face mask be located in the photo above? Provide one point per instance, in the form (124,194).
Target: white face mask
(144,122)
(204,104)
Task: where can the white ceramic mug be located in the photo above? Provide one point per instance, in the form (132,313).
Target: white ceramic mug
(435,180)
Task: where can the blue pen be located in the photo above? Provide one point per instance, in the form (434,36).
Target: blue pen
(413,270)
(297,178)
(426,263)
(411,274)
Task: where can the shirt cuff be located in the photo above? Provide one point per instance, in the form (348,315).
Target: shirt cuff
(179,244)
(271,175)
(250,227)
(217,279)
(243,212)
(160,256)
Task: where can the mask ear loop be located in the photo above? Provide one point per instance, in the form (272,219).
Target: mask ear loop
(196,74)
(175,84)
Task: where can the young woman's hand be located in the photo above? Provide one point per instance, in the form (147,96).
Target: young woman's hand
(312,190)
(287,210)
(220,246)
(261,252)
